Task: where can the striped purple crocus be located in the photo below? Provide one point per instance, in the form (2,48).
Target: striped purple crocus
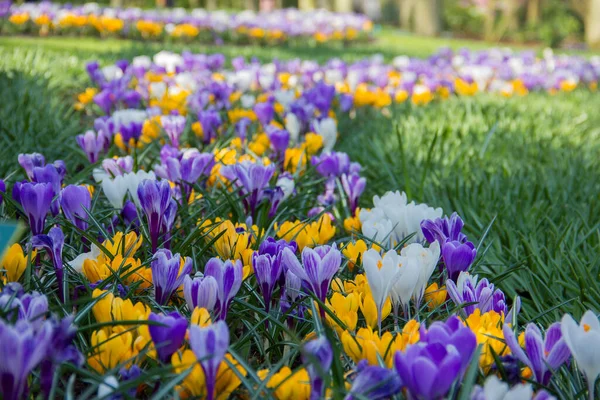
(229,276)
(318,267)
(210,345)
(200,292)
(168,274)
(22,348)
(75,202)
(251,179)
(30,161)
(317,356)
(173,126)
(167,333)
(36,200)
(155,199)
(542,355)
(354,186)
(54,242)
(92,144)
(52,175)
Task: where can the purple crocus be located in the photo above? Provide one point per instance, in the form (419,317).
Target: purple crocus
(168,274)
(267,269)
(75,202)
(22,348)
(53,175)
(167,334)
(54,242)
(475,294)
(444,229)
(353,186)
(210,345)
(91,144)
(279,138)
(210,121)
(292,294)
(265,112)
(317,356)
(2,190)
(457,257)
(30,161)
(173,126)
(428,370)
(60,350)
(155,197)
(453,332)
(332,164)
(251,180)
(373,382)
(541,355)
(200,292)
(229,276)
(318,267)
(36,200)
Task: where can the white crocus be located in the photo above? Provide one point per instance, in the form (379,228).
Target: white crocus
(133,180)
(141,62)
(109,386)
(583,340)
(426,258)
(285,97)
(128,116)
(292,125)
(495,389)
(404,288)
(112,72)
(77,262)
(168,60)
(247,101)
(287,185)
(115,189)
(382,273)
(327,129)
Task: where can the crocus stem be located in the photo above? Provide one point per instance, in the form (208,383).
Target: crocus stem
(591,388)
(396,327)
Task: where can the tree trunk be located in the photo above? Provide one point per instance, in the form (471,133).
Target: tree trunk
(490,20)
(249,5)
(592,23)
(323,4)
(116,3)
(372,9)
(510,15)
(211,4)
(533,11)
(344,6)
(407,8)
(427,17)
(306,4)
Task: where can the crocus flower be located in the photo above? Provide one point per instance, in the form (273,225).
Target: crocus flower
(210,121)
(452,332)
(200,292)
(267,269)
(428,371)
(154,197)
(51,175)
(91,144)
(318,267)
(229,276)
(265,112)
(173,126)
(279,138)
(353,186)
(427,258)
(129,123)
(457,257)
(327,129)
(36,199)
(332,164)
(3,190)
(292,293)
(444,229)
(54,242)
(541,355)
(30,161)
(167,334)
(61,350)
(168,274)
(483,294)
(22,348)
(373,382)
(495,389)
(382,274)
(75,202)
(210,345)
(251,179)
(583,340)
(317,356)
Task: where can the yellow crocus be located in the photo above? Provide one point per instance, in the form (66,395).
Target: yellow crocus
(110,308)
(488,330)
(309,234)
(368,345)
(193,386)
(435,296)
(353,252)
(14,262)
(201,317)
(109,350)
(345,309)
(288,385)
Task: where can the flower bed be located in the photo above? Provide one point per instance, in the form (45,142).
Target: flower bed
(212,244)
(279,26)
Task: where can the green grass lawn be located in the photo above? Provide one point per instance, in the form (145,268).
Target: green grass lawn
(522,172)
